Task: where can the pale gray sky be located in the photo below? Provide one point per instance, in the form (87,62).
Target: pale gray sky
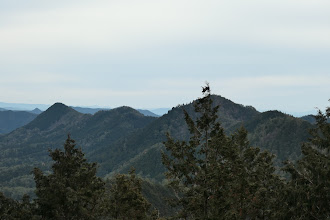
(272,54)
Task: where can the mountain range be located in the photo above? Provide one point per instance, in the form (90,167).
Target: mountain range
(123,137)
(12,119)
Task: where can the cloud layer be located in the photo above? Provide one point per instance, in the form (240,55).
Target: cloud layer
(149,53)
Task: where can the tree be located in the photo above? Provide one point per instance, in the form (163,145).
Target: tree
(72,190)
(308,193)
(252,189)
(8,207)
(12,209)
(218,176)
(126,200)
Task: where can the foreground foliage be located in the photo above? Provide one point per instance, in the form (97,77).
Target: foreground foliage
(73,190)
(308,192)
(218,176)
(126,200)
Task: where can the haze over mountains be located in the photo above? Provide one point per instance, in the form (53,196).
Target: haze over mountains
(123,137)
(12,119)
(88,110)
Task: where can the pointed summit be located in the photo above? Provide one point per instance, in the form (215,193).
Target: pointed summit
(55,115)
(36,111)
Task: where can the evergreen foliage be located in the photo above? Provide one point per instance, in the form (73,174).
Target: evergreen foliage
(308,192)
(11,209)
(72,190)
(126,201)
(218,176)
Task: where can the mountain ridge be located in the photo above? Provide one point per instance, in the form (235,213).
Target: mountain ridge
(121,137)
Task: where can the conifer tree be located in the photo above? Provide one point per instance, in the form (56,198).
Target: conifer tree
(11,209)
(308,192)
(126,201)
(72,190)
(218,176)
(8,207)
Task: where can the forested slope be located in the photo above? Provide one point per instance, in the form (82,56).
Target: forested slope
(120,138)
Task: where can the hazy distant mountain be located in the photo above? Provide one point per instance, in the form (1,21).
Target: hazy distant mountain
(310,118)
(302,114)
(86,110)
(27,147)
(147,113)
(92,111)
(10,120)
(160,111)
(36,111)
(22,106)
(123,137)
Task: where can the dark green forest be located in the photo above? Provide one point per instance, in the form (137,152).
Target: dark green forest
(209,159)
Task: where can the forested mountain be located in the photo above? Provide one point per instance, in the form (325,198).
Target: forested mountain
(13,119)
(277,132)
(311,119)
(10,120)
(147,112)
(123,137)
(27,147)
(281,134)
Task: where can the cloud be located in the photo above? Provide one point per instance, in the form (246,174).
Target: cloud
(161,52)
(129,25)
(279,81)
(35,78)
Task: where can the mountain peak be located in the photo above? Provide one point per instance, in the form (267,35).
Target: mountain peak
(127,110)
(36,111)
(53,115)
(58,105)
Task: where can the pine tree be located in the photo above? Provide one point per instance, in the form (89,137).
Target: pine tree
(8,207)
(126,201)
(11,209)
(253,188)
(72,190)
(308,192)
(218,176)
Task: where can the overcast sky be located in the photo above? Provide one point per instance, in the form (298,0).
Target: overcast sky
(272,54)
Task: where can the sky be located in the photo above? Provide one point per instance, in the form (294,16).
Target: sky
(272,54)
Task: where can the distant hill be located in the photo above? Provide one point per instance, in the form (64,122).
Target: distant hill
(160,111)
(22,106)
(147,113)
(310,118)
(27,147)
(10,120)
(92,111)
(277,132)
(36,111)
(86,110)
(123,137)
